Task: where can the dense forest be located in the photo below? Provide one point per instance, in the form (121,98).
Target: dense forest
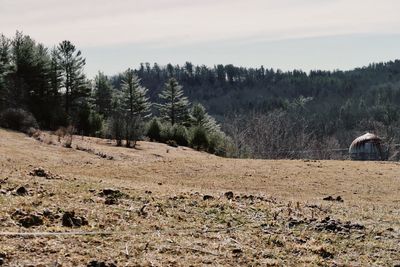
(261,112)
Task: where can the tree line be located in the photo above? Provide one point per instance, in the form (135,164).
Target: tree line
(48,88)
(266,113)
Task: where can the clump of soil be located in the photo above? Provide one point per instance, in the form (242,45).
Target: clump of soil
(229,195)
(22,191)
(330,198)
(96,263)
(112,196)
(40,172)
(333,225)
(27,220)
(208,197)
(70,220)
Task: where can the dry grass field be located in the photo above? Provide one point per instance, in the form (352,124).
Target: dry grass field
(99,205)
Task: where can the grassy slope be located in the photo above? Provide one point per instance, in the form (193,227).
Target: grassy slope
(276,216)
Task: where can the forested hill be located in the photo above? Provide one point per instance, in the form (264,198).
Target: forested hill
(227,88)
(328,109)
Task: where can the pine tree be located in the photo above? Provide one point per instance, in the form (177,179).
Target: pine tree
(174,108)
(135,105)
(5,69)
(135,100)
(200,118)
(74,80)
(102,94)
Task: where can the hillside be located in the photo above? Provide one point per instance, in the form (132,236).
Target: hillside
(179,207)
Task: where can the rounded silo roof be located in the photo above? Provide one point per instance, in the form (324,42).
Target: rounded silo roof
(365,138)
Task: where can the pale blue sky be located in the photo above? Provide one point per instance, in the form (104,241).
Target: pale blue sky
(286,34)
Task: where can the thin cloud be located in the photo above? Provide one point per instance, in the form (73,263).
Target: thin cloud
(173,22)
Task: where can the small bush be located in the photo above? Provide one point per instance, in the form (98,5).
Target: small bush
(60,133)
(18,120)
(154,130)
(199,138)
(166,133)
(69,133)
(180,135)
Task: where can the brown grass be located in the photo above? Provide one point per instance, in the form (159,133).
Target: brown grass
(276,217)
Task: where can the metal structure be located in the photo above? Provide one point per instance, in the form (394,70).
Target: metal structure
(367,147)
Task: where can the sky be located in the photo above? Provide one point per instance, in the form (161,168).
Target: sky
(285,34)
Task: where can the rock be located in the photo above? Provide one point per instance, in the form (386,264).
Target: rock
(22,191)
(229,195)
(70,220)
(208,197)
(1,261)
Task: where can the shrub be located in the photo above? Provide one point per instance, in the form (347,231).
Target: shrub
(166,132)
(18,120)
(154,130)
(199,138)
(61,132)
(68,136)
(180,135)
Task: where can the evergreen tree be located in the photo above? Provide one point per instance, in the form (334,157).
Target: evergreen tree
(135,100)
(102,94)
(200,117)
(136,106)
(5,69)
(74,80)
(174,108)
